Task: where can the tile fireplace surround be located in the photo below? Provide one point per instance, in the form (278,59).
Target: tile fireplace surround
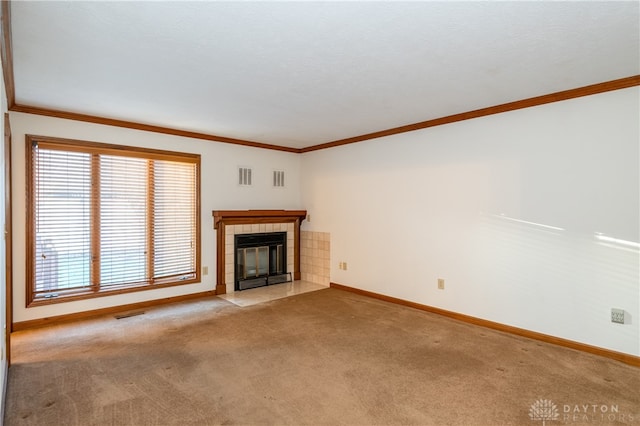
(229,223)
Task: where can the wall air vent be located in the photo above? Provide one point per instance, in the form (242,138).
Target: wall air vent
(278,178)
(244,176)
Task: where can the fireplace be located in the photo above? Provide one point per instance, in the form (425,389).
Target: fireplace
(231,223)
(260,260)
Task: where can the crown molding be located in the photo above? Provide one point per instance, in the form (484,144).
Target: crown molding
(564,95)
(145,127)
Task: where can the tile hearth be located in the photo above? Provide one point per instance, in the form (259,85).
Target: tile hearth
(272,292)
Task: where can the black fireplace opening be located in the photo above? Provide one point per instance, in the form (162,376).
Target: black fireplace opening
(260,260)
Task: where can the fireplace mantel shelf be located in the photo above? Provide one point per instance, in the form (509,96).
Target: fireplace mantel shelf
(235,217)
(222,218)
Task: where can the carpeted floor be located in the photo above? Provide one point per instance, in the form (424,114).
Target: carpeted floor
(326,357)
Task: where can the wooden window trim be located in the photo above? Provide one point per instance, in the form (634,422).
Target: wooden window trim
(47,142)
(95,224)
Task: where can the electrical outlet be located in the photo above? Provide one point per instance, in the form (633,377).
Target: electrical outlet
(205,270)
(340,265)
(308,218)
(440,284)
(617,315)
(344,265)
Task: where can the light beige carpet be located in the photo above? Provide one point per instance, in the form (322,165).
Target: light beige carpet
(326,357)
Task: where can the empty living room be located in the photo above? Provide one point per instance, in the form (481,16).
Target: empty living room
(314,212)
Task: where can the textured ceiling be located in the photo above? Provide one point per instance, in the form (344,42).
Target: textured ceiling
(298,74)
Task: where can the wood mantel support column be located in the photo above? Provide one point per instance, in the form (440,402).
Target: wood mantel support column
(222,218)
(221,287)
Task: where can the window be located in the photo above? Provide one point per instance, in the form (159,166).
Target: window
(105,219)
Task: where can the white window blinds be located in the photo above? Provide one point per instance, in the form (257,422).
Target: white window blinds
(173,218)
(123,222)
(62,192)
(104,218)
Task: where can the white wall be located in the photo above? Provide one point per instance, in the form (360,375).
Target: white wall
(219,163)
(408,209)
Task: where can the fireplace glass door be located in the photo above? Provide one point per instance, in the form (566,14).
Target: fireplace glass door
(277,260)
(253,262)
(260,259)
